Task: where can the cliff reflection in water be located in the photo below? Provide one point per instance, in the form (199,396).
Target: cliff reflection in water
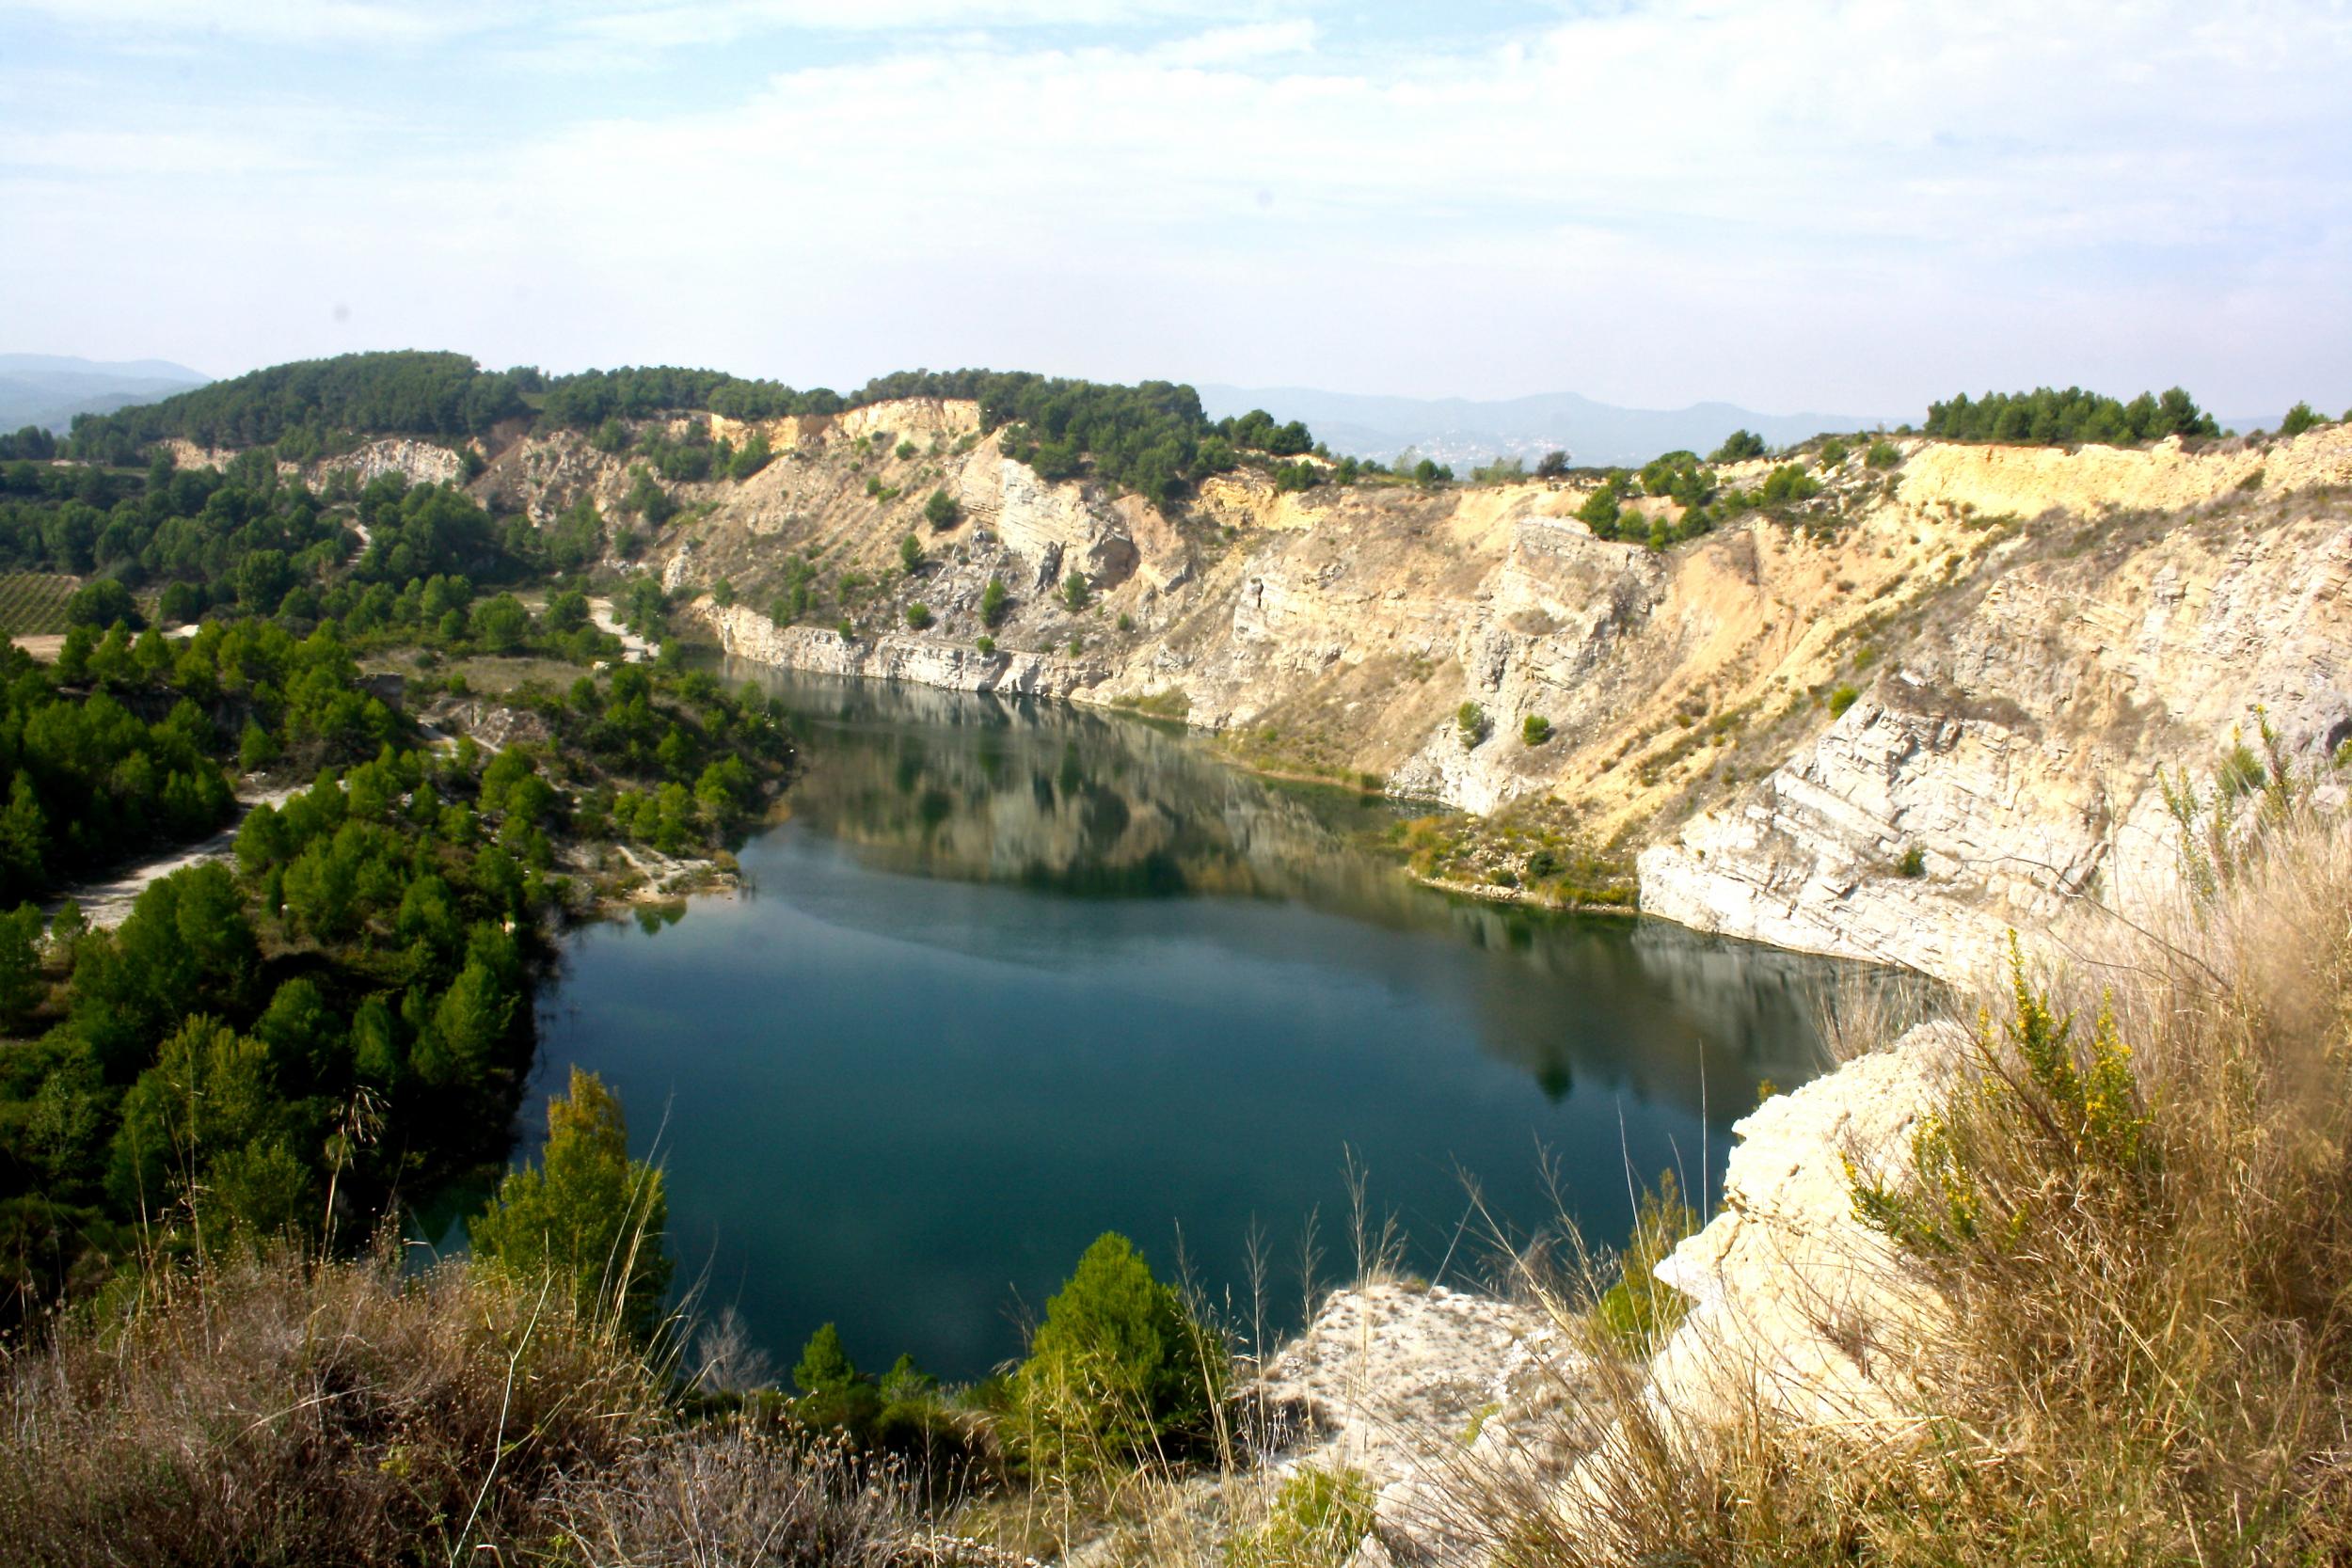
(972,787)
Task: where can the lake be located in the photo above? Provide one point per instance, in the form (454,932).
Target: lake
(1012,975)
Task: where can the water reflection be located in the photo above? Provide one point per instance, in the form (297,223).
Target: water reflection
(975,788)
(1016,975)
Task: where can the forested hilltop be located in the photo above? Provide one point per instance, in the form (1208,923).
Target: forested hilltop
(1150,437)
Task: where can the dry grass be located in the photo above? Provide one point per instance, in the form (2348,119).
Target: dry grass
(286,1411)
(2135,1212)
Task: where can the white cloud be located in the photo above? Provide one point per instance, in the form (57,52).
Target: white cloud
(1802,203)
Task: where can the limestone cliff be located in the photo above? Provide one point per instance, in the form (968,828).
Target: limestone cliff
(1887,721)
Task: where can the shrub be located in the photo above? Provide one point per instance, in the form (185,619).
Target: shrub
(1118,1368)
(1073,592)
(906,451)
(1833,453)
(1316,1520)
(985,643)
(941,510)
(1842,699)
(1551,465)
(993,602)
(1127,622)
(1600,511)
(723,593)
(1913,864)
(646,499)
(1534,729)
(1739,446)
(1469,720)
(1639,1310)
(909,552)
(755,455)
(1882,454)
(1785,483)
(2299,419)
(918,615)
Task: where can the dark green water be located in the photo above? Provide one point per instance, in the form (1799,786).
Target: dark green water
(1014,974)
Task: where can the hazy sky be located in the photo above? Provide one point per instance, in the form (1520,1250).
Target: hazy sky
(1849,208)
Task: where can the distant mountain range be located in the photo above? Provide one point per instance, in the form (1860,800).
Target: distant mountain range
(48,389)
(1462,430)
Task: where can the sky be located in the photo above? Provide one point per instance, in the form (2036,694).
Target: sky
(1791,204)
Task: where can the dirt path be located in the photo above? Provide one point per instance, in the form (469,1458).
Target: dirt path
(635,649)
(107,903)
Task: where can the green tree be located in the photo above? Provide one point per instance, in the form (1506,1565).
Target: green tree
(1118,1367)
(942,511)
(2299,419)
(1073,592)
(588,1219)
(918,615)
(19,963)
(1470,720)
(910,552)
(500,625)
(823,1364)
(993,602)
(100,604)
(1551,465)
(1739,446)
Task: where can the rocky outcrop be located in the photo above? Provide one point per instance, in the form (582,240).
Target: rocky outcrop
(895,657)
(2006,773)
(1796,1307)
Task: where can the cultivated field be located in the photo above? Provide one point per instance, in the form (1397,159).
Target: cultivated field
(34,602)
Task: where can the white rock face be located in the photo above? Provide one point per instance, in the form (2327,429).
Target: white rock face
(1055,530)
(898,657)
(2018,753)
(1794,1300)
(1415,1388)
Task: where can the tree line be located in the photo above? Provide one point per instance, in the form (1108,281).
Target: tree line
(2044,416)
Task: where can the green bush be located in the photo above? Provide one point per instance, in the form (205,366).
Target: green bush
(2299,419)
(1913,864)
(1316,1520)
(1118,1369)
(1639,1310)
(994,600)
(1534,729)
(918,615)
(1882,454)
(1739,446)
(985,643)
(941,510)
(1842,699)
(1471,720)
(907,452)
(910,552)
(1785,483)
(1833,453)
(1073,592)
